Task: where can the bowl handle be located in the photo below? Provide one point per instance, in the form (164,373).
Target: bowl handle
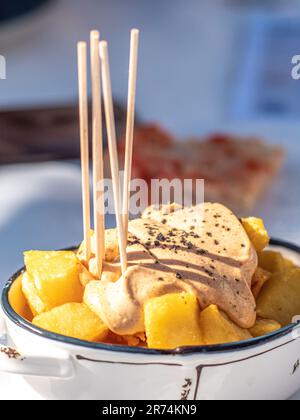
(11,361)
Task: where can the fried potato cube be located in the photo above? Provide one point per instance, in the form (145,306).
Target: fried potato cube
(84,275)
(217,328)
(259,279)
(53,278)
(257,232)
(172,320)
(273,261)
(74,320)
(263,327)
(111,246)
(280,297)
(37,306)
(18,300)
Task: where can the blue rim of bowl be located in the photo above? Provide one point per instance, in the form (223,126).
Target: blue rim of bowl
(221,348)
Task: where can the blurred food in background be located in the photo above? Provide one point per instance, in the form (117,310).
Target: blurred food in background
(264,85)
(12,9)
(20,19)
(41,134)
(236,170)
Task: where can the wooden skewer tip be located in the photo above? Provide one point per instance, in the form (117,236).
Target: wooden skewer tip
(135,32)
(81,45)
(95,35)
(103,48)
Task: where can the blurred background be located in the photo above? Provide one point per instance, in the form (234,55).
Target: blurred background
(205,66)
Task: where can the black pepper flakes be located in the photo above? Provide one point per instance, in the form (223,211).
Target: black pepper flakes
(160,237)
(209,273)
(201,252)
(217,216)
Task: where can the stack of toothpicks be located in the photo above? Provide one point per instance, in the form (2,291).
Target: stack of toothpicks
(101,82)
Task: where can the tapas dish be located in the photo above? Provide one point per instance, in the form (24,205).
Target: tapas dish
(192,299)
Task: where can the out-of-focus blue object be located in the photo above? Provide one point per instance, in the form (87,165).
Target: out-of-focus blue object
(10,9)
(257,3)
(264,85)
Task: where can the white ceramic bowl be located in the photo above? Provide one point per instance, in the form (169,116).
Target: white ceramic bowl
(59,367)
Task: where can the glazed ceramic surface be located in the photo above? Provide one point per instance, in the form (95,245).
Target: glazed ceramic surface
(58,367)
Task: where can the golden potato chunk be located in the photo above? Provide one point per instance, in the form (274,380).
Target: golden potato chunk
(18,300)
(74,320)
(52,279)
(172,320)
(280,297)
(264,327)
(217,328)
(259,279)
(111,246)
(273,261)
(37,306)
(257,232)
